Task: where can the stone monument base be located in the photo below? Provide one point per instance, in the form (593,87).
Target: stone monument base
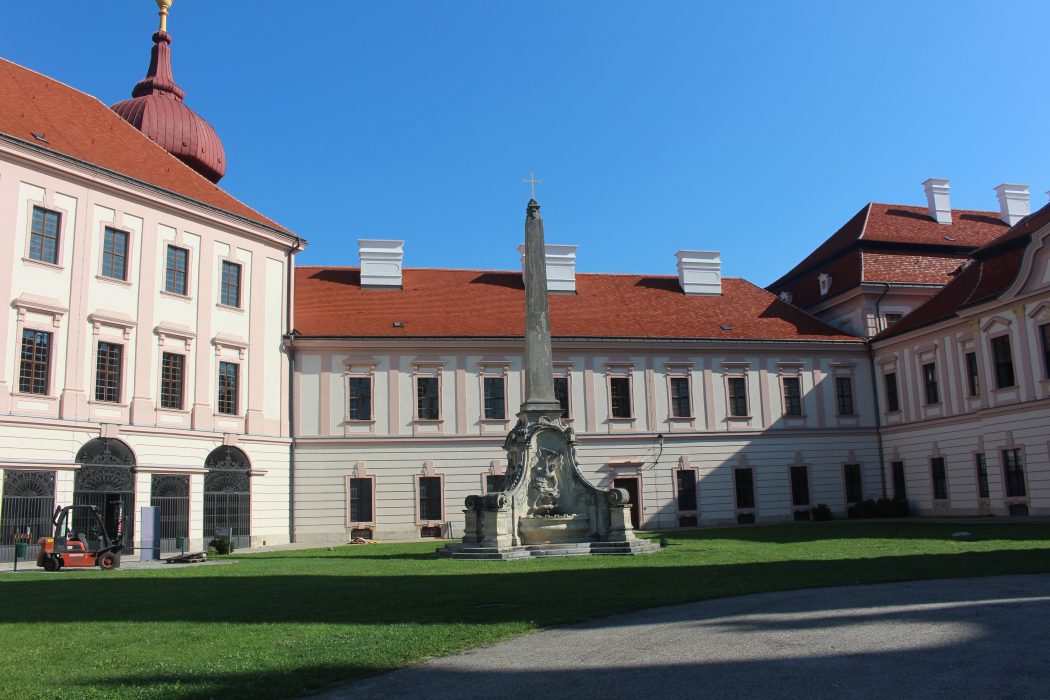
(457,550)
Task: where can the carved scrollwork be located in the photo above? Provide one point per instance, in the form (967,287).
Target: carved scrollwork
(619,497)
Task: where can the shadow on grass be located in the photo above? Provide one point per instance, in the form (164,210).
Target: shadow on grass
(911,529)
(466,598)
(357,554)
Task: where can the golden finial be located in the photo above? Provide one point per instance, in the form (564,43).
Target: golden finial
(164,5)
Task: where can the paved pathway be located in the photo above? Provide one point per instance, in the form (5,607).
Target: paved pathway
(970,638)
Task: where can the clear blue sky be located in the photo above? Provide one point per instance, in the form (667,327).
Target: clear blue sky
(754,128)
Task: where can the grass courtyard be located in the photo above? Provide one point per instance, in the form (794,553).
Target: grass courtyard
(275,625)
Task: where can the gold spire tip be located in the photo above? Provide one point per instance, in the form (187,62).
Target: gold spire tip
(164,5)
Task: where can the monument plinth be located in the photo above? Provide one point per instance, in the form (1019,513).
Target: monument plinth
(546,507)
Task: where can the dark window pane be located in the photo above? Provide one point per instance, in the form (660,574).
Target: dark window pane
(800,486)
(792,396)
(360,389)
(427,398)
(35,367)
(892,318)
(681,407)
(430,498)
(854,485)
(1013,472)
(844,395)
(361,500)
(171,380)
(115,254)
(230,293)
(900,489)
(43,236)
(940,478)
(620,393)
(929,379)
(1044,331)
(893,402)
(495,405)
(982,475)
(686,487)
(175,270)
(745,488)
(737,396)
(973,379)
(228,388)
(107,372)
(494,482)
(561,392)
(1004,362)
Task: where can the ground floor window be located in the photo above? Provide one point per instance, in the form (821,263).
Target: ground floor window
(982,474)
(430,498)
(940,479)
(744,481)
(900,489)
(227,496)
(685,483)
(171,495)
(359,495)
(25,511)
(854,483)
(800,486)
(1013,473)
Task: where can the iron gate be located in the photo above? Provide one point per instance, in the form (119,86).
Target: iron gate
(25,512)
(171,494)
(227,495)
(105,480)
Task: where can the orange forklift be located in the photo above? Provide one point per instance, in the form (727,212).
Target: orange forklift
(81,540)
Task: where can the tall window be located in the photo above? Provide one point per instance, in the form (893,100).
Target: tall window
(430,498)
(973,379)
(685,485)
(982,474)
(176,267)
(172,379)
(1004,362)
(361,500)
(360,393)
(737,396)
(35,369)
(228,387)
(230,293)
(792,396)
(929,381)
(854,485)
(115,254)
(107,372)
(744,482)
(1044,331)
(620,396)
(43,236)
(495,482)
(844,395)
(1013,473)
(495,400)
(427,398)
(681,407)
(900,488)
(893,400)
(561,392)
(800,486)
(940,478)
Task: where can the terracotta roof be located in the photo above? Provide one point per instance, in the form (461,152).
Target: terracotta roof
(329,302)
(898,227)
(78,125)
(905,268)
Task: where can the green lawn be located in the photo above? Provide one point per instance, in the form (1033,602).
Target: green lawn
(279,624)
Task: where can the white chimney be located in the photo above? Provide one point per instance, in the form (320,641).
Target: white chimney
(561,266)
(938,201)
(700,271)
(381,263)
(1013,202)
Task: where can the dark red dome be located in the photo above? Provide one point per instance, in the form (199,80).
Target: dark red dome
(156,109)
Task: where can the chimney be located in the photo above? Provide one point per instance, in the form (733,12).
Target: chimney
(381,263)
(561,266)
(700,271)
(938,201)
(1013,202)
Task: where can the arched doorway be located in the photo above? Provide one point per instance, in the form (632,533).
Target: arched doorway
(227,495)
(25,513)
(106,480)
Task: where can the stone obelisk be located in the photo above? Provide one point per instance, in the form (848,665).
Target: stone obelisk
(539,365)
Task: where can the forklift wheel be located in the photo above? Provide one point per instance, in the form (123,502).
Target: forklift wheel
(108,561)
(52,564)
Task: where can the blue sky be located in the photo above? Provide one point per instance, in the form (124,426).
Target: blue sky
(755,129)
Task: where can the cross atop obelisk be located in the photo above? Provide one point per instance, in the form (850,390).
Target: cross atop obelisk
(539,364)
(532,182)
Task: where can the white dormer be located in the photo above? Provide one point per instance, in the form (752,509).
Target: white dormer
(381,263)
(561,266)
(824,280)
(700,271)
(787,297)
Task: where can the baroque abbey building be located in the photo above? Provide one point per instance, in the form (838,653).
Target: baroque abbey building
(163,349)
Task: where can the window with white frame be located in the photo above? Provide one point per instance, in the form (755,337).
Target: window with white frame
(973,377)
(359,495)
(619,383)
(844,395)
(115,254)
(736,393)
(43,235)
(227,401)
(893,400)
(931,389)
(172,380)
(430,507)
(34,371)
(1013,473)
(359,397)
(428,392)
(939,477)
(679,390)
(853,482)
(230,287)
(1004,362)
(791,386)
(176,270)
(799,485)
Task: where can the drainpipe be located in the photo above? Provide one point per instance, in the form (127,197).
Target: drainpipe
(875,389)
(291,396)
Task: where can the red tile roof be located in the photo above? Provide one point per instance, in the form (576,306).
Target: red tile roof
(905,268)
(78,125)
(329,302)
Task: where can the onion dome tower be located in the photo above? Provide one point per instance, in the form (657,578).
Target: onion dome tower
(156,109)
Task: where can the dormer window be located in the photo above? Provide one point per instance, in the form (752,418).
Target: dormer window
(787,297)
(824,280)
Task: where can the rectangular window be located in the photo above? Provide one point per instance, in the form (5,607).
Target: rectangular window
(792,396)
(1013,472)
(176,268)
(681,406)
(430,498)
(893,400)
(495,403)
(1004,362)
(115,254)
(973,379)
(230,294)
(172,373)
(427,398)
(854,484)
(561,392)
(929,381)
(43,236)
(982,475)
(737,396)
(685,482)
(35,369)
(940,479)
(800,486)
(745,488)
(494,482)
(620,396)
(359,390)
(228,386)
(900,488)
(892,318)
(844,395)
(361,500)
(1044,331)
(107,372)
